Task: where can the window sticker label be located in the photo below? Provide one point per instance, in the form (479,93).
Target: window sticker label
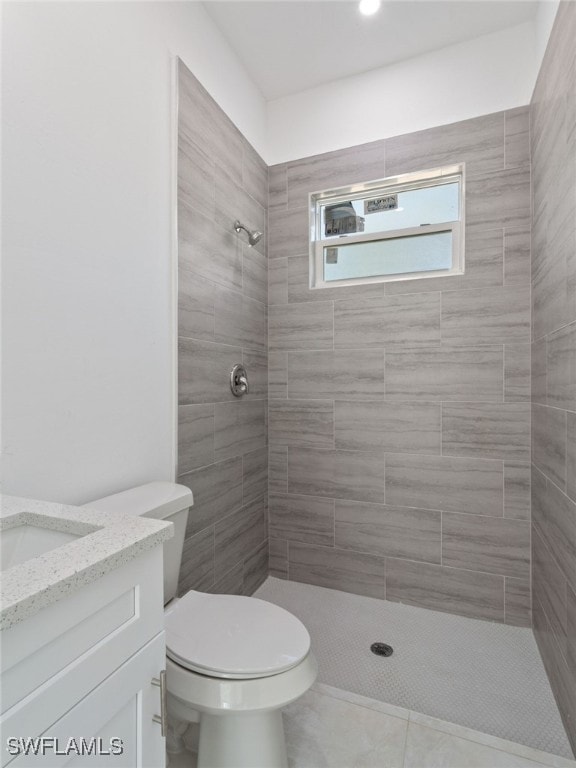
(388,203)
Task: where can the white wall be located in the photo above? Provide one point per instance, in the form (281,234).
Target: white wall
(545,15)
(474,78)
(87,350)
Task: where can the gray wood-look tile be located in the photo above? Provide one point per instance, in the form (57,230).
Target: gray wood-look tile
(277,185)
(234,203)
(561,368)
(278,281)
(396,427)
(571,633)
(278,558)
(382,530)
(301,422)
(352,165)
(571,455)
(538,486)
(554,515)
(450,590)
(254,175)
(553,149)
(301,326)
(278,375)
(287,231)
(238,533)
(231,493)
(355,572)
(549,442)
(484,253)
(563,683)
(407,319)
(571,296)
(278,469)
(477,142)
(256,364)
(255,568)
(299,290)
(197,570)
(517,374)
(239,428)
(488,544)
(445,373)
(424,285)
(232,583)
(472,486)
(239,320)
(354,374)
(517,243)
(195,177)
(498,199)
(204,371)
(517,137)
(488,316)
(207,249)
(336,474)
(206,124)
(254,475)
(195,436)
(195,306)
(538,378)
(217,489)
(549,588)
(254,274)
(517,490)
(302,518)
(550,303)
(486,430)
(517,602)
(483,259)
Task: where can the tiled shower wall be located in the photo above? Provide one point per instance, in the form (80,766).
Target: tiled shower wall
(222,451)
(399,414)
(553,131)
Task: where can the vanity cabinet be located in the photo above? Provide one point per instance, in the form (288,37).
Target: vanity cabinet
(84,668)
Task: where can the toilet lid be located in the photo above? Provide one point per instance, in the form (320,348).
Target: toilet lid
(234,637)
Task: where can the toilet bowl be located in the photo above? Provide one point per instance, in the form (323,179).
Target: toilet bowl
(232,662)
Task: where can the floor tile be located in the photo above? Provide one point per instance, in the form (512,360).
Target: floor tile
(325,732)
(428,748)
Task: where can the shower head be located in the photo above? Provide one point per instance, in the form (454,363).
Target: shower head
(253,236)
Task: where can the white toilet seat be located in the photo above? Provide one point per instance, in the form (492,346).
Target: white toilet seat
(233,637)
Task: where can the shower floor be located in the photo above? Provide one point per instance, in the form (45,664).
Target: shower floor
(477,674)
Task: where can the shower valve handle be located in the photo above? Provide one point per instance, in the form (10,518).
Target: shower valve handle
(239,380)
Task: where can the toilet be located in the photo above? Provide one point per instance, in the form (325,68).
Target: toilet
(232,662)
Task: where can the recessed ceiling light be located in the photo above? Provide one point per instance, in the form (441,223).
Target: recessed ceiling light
(369,7)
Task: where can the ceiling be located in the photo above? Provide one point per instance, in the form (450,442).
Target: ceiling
(292,45)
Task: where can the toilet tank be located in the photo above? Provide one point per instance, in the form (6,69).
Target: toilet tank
(162,501)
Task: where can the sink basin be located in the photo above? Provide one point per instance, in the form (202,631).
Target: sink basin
(22,542)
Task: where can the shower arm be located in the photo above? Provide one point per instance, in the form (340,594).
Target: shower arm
(253,236)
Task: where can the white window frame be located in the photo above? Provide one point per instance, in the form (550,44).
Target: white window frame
(381,188)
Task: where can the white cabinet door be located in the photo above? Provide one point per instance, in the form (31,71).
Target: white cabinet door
(113,725)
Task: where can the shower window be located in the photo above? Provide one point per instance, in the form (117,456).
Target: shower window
(400,228)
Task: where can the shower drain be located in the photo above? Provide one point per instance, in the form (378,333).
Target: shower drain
(382,649)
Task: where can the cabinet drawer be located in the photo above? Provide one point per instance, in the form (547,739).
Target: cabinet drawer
(85,635)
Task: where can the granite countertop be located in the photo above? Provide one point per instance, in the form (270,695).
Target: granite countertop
(106,541)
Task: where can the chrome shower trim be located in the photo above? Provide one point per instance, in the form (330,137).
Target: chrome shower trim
(253,235)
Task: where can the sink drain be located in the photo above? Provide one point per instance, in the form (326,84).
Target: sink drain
(382,649)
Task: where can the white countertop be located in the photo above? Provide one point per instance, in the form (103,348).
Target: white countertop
(107,541)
